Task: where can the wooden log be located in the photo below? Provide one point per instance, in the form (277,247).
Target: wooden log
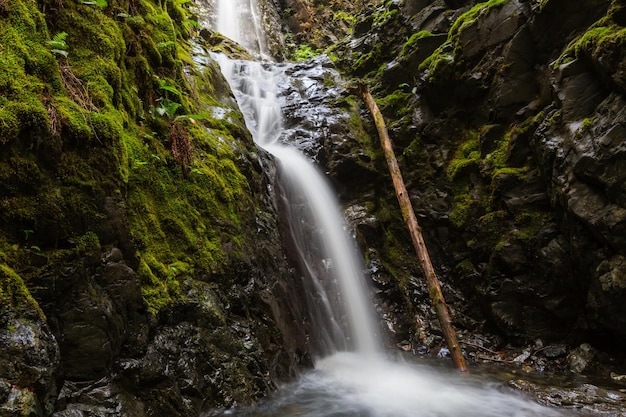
(434,289)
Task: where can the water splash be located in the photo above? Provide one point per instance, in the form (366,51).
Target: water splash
(343,386)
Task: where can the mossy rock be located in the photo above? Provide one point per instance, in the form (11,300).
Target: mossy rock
(15,298)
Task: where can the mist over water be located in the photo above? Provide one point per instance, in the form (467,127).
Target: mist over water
(352,377)
(350,385)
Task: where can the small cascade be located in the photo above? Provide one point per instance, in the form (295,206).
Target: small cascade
(333,270)
(240,21)
(339,309)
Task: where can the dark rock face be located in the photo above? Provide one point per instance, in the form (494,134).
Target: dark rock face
(28,367)
(98,314)
(509,132)
(319,120)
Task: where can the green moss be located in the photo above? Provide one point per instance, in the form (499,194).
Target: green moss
(185,222)
(409,46)
(395,103)
(15,299)
(344,17)
(75,120)
(302,53)
(467,202)
(439,64)
(442,63)
(26,116)
(9,125)
(386,15)
(468,18)
(601,38)
(466,157)
(184,225)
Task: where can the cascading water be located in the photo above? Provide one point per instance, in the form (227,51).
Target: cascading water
(339,308)
(343,384)
(239,20)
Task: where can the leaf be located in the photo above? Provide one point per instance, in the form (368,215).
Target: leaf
(100,3)
(59,52)
(167,108)
(164,85)
(170,108)
(170,88)
(58,42)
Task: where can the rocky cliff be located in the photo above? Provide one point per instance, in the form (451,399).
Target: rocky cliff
(510,131)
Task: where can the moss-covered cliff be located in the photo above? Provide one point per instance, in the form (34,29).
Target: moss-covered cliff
(138,245)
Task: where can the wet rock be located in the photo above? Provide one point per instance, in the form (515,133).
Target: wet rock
(554,351)
(95,317)
(410,7)
(573,18)
(99,398)
(581,358)
(319,123)
(583,399)
(29,365)
(579,91)
(398,72)
(607,289)
(497,25)
(515,82)
(29,352)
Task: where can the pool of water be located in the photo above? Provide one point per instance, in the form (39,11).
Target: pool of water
(353,385)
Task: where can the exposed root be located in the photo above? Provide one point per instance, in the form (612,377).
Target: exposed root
(55,119)
(75,88)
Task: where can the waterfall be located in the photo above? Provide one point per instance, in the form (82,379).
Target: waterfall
(240,21)
(342,383)
(339,309)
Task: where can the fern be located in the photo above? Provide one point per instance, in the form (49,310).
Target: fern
(164,85)
(58,45)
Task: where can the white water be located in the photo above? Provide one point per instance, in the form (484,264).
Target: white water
(344,383)
(349,385)
(333,270)
(240,21)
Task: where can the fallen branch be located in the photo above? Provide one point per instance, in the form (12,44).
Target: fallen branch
(434,289)
(479,347)
(487,358)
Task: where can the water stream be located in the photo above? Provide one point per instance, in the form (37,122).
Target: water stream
(352,377)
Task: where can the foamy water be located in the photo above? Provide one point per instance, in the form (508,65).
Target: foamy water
(351,385)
